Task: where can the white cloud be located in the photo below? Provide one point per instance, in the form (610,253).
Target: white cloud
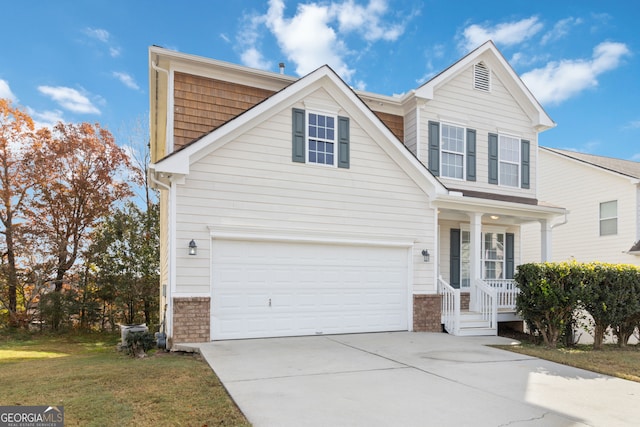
(636,157)
(126,79)
(560,29)
(561,80)
(98,34)
(366,20)
(506,33)
(307,39)
(5,91)
(225,38)
(254,59)
(315,34)
(103,36)
(46,119)
(69,99)
(634,124)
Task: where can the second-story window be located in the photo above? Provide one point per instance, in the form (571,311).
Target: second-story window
(322,139)
(452,152)
(509,161)
(609,218)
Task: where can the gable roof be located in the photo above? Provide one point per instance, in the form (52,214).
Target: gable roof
(627,168)
(179,162)
(501,68)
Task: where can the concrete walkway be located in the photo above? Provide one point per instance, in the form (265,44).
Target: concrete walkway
(412,379)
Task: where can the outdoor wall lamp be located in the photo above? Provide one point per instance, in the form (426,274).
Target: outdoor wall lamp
(425,254)
(193,248)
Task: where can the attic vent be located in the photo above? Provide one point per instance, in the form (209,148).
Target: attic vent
(481,77)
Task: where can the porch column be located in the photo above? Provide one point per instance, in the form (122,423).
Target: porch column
(475,230)
(545,240)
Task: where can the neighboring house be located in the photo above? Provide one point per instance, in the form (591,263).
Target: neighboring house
(316,209)
(602,198)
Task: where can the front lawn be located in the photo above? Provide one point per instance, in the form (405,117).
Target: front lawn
(99,386)
(611,360)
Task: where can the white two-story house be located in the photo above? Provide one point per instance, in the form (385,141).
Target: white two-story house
(299,206)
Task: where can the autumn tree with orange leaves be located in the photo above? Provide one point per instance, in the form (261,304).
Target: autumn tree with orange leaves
(56,185)
(16,180)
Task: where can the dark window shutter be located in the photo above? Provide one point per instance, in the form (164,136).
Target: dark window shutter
(471,155)
(525,169)
(343,142)
(434,148)
(454,258)
(298,150)
(493,158)
(510,267)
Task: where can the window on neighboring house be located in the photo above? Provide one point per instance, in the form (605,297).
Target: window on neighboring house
(509,161)
(465,259)
(609,218)
(452,151)
(321,133)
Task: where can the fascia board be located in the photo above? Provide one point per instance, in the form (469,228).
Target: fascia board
(496,206)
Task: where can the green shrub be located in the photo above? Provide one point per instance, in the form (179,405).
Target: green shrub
(612,296)
(138,343)
(549,294)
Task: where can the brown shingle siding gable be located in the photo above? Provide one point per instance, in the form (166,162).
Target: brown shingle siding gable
(393,122)
(203,104)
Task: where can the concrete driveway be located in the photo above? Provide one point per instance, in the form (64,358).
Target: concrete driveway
(412,379)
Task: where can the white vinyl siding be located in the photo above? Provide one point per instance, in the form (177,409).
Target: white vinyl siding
(497,112)
(252,184)
(609,218)
(580,188)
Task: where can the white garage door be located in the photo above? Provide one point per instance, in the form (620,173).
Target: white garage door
(271,289)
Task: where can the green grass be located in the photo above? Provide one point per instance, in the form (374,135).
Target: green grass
(99,386)
(611,360)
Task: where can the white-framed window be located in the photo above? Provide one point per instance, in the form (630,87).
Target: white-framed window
(509,160)
(452,151)
(465,259)
(493,256)
(609,218)
(321,139)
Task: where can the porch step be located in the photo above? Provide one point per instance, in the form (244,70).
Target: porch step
(470,319)
(477,332)
(472,324)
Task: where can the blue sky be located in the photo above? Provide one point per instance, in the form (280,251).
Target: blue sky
(87,60)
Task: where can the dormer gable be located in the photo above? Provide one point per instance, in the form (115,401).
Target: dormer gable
(486,62)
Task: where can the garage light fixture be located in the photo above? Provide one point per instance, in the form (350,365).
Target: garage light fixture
(426,255)
(193,248)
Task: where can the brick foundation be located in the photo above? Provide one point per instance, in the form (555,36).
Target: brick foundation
(465,299)
(427,313)
(191,320)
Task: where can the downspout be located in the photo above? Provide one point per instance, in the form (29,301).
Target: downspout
(561,223)
(167,293)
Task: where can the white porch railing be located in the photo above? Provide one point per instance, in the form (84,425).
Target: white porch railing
(507,291)
(487,303)
(450,306)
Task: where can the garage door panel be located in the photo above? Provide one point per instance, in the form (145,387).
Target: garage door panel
(313,288)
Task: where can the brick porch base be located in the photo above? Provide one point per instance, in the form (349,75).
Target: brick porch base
(426,313)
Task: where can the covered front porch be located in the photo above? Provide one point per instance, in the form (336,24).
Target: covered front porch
(480,246)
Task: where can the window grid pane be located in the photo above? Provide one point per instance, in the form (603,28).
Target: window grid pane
(509,161)
(609,218)
(453,149)
(321,133)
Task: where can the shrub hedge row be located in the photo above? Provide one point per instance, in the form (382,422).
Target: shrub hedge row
(550,294)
